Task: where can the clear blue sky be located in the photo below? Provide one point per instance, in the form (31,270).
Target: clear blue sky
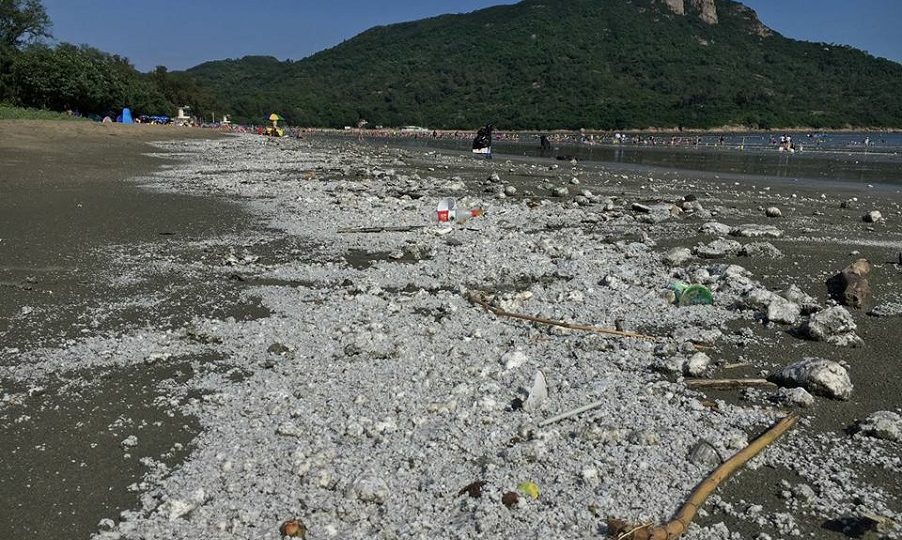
(180,34)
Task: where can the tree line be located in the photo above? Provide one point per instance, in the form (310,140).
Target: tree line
(80,78)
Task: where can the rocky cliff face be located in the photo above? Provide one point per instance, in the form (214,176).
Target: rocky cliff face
(705,9)
(676,6)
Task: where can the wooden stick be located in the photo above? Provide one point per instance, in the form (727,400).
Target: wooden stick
(727,384)
(405,228)
(676,527)
(477,299)
(574,412)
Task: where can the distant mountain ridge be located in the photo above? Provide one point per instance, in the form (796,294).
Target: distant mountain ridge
(547,64)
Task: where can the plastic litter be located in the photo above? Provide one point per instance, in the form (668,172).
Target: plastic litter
(705,455)
(691,295)
(447,210)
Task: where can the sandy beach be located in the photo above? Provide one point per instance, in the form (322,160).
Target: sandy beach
(204,337)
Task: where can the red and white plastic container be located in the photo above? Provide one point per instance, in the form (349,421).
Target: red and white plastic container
(447,210)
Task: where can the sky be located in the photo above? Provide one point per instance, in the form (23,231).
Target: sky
(180,34)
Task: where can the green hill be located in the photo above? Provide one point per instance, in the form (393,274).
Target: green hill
(544,64)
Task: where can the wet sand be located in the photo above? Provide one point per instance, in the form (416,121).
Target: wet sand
(64,197)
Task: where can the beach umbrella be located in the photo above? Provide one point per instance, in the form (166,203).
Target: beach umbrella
(275,118)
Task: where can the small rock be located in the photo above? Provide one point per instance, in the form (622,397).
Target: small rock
(510,191)
(795,396)
(818,376)
(513,359)
(889,309)
(560,192)
(371,490)
(804,493)
(873,217)
(882,425)
(760,249)
(698,364)
(756,231)
(715,228)
(773,212)
(783,311)
(677,256)
(834,325)
(718,249)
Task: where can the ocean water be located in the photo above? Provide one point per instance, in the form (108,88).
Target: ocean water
(835,157)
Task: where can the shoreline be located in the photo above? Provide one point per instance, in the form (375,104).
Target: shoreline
(373,391)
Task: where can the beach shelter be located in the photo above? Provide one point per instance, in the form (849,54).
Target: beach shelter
(127,116)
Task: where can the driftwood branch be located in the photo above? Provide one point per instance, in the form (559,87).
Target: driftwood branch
(479,300)
(676,527)
(727,384)
(405,228)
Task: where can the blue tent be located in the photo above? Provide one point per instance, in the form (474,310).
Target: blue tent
(127,116)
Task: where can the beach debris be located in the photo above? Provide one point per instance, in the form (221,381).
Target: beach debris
(529,488)
(818,376)
(510,499)
(705,455)
(691,295)
(873,216)
(850,287)
(834,325)
(370,230)
(446,210)
(717,249)
(538,394)
(571,413)
(478,299)
(675,528)
(885,425)
(293,528)
(773,212)
(473,490)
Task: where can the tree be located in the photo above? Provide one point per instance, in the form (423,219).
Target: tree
(22,22)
